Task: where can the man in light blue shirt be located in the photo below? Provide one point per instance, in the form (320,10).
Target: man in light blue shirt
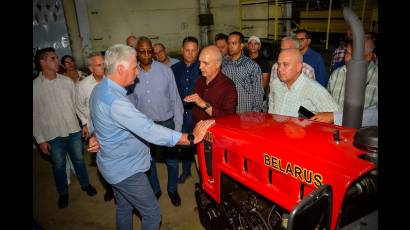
(156,95)
(124,133)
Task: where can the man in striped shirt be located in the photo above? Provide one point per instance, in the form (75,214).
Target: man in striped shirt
(245,73)
(337,80)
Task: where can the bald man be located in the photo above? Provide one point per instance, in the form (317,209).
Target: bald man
(214,93)
(293,89)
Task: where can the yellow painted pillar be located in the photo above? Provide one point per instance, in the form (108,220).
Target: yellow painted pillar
(240,16)
(307,8)
(276,19)
(363,10)
(328,24)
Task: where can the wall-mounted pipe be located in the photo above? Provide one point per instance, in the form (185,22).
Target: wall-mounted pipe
(356,74)
(203,9)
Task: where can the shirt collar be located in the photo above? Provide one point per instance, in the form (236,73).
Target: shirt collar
(42,77)
(239,60)
(190,66)
(113,85)
(215,80)
(151,67)
(297,84)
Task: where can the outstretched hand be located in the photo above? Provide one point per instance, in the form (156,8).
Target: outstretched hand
(201,128)
(195,98)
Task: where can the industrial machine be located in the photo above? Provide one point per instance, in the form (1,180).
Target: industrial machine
(267,171)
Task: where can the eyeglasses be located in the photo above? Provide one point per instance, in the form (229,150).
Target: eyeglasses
(148,51)
(301,39)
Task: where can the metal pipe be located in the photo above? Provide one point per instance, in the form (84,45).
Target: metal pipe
(203,9)
(329,15)
(356,74)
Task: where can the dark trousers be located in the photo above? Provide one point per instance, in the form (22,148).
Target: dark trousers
(171,161)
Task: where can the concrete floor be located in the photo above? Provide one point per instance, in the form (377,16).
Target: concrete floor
(84,212)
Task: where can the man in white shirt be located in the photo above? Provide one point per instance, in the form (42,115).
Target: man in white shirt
(55,125)
(85,87)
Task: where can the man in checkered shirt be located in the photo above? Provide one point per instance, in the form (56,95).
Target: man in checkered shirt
(245,73)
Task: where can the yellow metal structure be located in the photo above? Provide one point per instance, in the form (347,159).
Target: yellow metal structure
(275,35)
(315,21)
(363,9)
(328,24)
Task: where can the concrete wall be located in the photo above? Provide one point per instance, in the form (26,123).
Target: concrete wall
(161,20)
(166,21)
(74,35)
(226,17)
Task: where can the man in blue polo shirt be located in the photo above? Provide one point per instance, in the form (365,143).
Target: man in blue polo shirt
(312,57)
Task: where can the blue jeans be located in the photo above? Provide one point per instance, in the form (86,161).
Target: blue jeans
(135,192)
(72,145)
(171,161)
(69,167)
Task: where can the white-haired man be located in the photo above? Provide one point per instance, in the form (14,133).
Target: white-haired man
(123,133)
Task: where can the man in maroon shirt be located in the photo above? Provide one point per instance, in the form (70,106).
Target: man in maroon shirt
(214,93)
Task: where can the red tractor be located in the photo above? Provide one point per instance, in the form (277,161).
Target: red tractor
(265,171)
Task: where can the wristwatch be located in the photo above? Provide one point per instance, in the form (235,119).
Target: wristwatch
(191,138)
(206,106)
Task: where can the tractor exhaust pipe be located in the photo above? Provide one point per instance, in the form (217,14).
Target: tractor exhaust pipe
(356,74)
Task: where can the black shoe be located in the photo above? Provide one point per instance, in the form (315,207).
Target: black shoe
(63,201)
(158,194)
(175,199)
(108,196)
(90,190)
(183,177)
